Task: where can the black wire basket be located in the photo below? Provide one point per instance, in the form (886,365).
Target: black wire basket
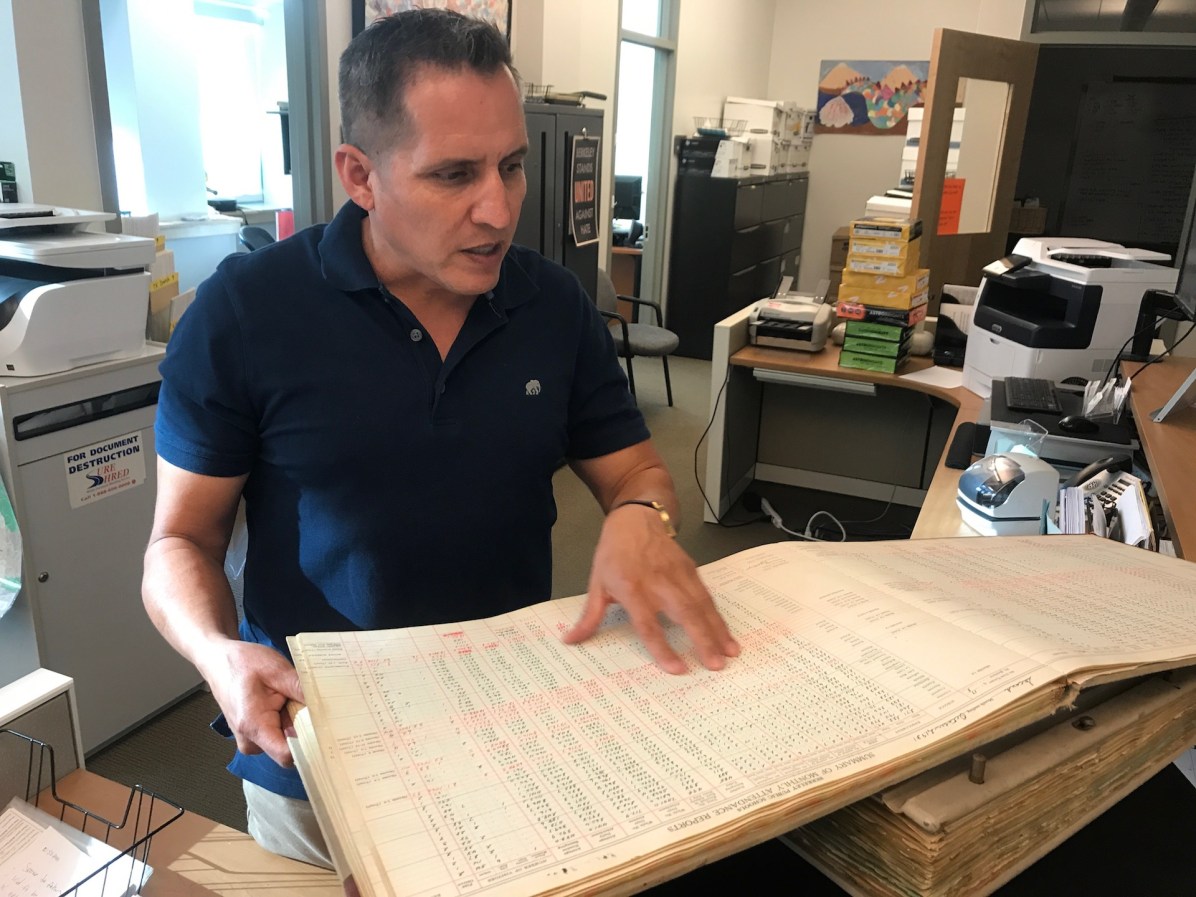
(145,814)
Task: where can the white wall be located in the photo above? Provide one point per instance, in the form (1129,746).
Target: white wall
(45,120)
(845,170)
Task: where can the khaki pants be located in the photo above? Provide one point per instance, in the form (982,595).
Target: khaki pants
(285,826)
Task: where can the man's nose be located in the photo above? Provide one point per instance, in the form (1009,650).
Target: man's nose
(493,205)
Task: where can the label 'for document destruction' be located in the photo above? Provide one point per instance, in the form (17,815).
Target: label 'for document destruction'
(103,469)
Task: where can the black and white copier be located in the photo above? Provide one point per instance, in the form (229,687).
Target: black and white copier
(68,296)
(1058,307)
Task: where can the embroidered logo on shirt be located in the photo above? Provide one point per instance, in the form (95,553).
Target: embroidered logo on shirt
(533,387)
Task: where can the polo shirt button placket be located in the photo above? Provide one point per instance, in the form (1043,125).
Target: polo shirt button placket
(416,335)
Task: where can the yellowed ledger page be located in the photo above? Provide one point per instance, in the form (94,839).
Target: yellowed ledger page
(487,757)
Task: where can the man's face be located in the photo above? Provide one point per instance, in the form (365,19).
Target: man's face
(447,196)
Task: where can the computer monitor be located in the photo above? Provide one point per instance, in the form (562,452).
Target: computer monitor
(1185,260)
(628,189)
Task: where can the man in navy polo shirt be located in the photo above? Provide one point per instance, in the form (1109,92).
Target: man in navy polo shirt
(391,394)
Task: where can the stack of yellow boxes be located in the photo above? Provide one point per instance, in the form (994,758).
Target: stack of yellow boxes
(883,294)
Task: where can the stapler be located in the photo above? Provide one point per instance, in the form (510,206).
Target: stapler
(791,321)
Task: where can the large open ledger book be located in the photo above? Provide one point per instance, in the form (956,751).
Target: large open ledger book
(487,757)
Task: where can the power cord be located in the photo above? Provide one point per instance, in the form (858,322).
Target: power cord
(698,445)
(1163,354)
(750,499)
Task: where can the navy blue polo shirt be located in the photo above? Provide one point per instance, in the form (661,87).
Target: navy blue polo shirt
(386,487)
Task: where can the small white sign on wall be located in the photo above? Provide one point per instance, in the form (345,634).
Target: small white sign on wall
(101,470)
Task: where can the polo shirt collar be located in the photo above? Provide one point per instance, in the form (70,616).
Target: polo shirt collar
(346,267)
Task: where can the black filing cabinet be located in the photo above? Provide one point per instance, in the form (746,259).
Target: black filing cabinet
(733,240)
(544,221)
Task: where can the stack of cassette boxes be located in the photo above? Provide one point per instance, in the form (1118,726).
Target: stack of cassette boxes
(779,134)
(883,294)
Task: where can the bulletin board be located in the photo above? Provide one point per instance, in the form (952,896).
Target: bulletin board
(1131,162)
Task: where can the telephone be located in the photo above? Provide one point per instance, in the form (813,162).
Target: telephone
(1098,478)
(1098,474)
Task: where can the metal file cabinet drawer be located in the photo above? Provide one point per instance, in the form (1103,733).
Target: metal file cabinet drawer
(749,200)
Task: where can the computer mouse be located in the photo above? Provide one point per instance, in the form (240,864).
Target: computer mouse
(1077,423)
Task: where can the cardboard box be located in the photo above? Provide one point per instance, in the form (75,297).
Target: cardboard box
(766,154)
(880,247)
(902,317)
(915,282)
(899,298)
(733,158)
(839,247)
(882,347)
(865,362)
(889,227)
(1030,220)
(867,264)
(760,116)
(877,330)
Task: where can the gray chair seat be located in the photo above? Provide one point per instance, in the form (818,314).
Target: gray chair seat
(646,339)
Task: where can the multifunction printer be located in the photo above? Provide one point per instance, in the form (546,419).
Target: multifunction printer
(68,296)
(1059,307)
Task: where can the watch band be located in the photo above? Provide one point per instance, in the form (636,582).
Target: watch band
(656,506)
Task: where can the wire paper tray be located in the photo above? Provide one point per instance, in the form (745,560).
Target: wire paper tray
(145,814)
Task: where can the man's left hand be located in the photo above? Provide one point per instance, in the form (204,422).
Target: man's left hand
(639,566)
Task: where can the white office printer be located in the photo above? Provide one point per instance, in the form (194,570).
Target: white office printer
(792,320)
(1058,307)
(68,296)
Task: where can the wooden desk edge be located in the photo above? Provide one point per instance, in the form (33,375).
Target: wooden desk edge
(939,515)
(1168,446)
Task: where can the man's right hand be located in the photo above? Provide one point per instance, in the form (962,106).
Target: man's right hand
(252,684)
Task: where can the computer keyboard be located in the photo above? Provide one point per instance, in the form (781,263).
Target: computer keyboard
(1030,394)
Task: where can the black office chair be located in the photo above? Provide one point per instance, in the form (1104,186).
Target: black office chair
(633,338)
(253,237)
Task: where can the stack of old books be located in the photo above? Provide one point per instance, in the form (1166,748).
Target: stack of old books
(884,292)
(486,757)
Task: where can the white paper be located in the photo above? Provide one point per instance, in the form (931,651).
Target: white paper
(948,378)
(51,857)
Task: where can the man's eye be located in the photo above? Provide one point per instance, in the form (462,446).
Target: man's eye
(452,175)
(514,167)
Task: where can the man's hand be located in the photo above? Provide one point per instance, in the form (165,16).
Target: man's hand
(638,566)
(252,684)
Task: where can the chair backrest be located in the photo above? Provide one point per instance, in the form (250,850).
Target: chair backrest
(607,298)
(254,237)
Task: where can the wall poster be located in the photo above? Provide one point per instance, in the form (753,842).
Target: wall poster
(583,200)
(868,97)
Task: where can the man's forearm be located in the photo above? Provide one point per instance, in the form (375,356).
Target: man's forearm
(188,598)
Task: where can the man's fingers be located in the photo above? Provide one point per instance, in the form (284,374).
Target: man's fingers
(652,635)
(591,618)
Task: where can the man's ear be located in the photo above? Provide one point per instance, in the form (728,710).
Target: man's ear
(354,167)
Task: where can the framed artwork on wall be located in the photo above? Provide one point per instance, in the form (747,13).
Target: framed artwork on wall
(497,12)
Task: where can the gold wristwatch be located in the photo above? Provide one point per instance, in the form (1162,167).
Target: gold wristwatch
(656,506)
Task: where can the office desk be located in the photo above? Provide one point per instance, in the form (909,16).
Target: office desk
(1170,446)
(735,393)
(625,262)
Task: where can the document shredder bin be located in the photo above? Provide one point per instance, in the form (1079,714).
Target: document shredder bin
(78,462)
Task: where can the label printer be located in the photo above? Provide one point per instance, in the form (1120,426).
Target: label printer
(1059,307)
(68,296)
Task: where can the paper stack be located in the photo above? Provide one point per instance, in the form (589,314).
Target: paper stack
(40,856)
